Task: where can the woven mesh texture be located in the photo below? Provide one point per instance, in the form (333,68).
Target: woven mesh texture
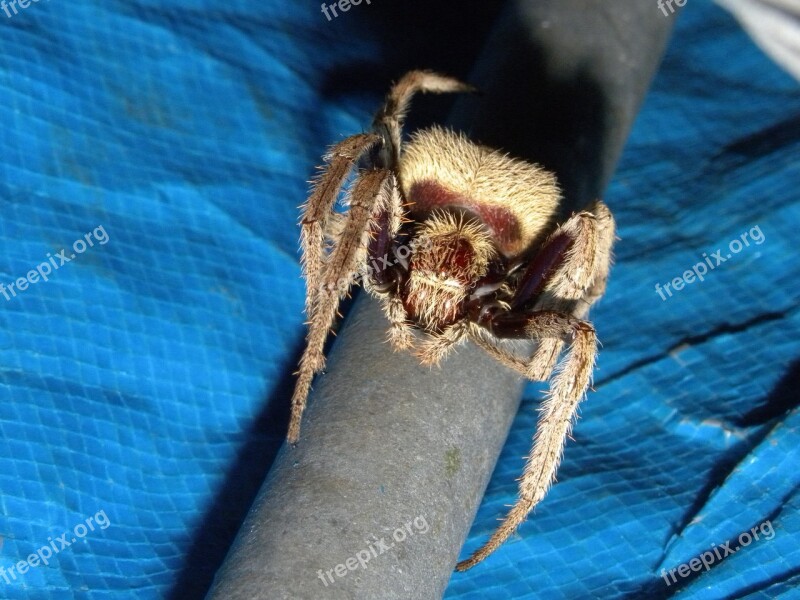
(143,385)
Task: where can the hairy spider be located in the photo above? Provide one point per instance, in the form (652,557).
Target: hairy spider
(470,249)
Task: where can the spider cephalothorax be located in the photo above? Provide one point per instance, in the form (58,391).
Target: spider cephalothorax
(461,242)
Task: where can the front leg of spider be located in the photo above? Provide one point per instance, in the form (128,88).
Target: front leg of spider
(332,279)
(569,263)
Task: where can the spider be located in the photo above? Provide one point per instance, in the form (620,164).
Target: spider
(461,242)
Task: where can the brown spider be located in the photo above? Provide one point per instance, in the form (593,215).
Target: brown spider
(468,248)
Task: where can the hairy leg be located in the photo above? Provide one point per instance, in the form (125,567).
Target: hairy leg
(371,194)
(606,234)
(555,423)
(388,122)
(569,275)
(317,211)
(436,347)
(385,274)
(401,335)
(491,345)
(576,295)
(565,272)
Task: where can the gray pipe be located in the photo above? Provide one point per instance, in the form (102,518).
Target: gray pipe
(378,497)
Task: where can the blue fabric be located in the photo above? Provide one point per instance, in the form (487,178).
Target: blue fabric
(143,385)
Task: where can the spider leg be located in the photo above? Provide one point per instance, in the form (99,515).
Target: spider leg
(387,273)
(566,276)
(400,334)
(540,274)
(334,227)
(484,340)
(554,293)
(604,223)
(436,347)
(557,413)
(575,294)
(388,122)
(317,216)
(371,193)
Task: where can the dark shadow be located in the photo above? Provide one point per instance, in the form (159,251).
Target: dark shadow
(218,529)
(783,398)
(442,36)
(563,100)
(772,140)
(558,122)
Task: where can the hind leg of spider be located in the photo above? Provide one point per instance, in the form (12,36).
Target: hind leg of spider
(575,295)
(556,289)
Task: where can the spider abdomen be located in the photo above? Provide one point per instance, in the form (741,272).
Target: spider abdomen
(516,200)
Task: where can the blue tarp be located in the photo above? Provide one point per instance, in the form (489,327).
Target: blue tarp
(143,385)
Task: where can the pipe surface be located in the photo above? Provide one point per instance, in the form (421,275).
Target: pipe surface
(377,498)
